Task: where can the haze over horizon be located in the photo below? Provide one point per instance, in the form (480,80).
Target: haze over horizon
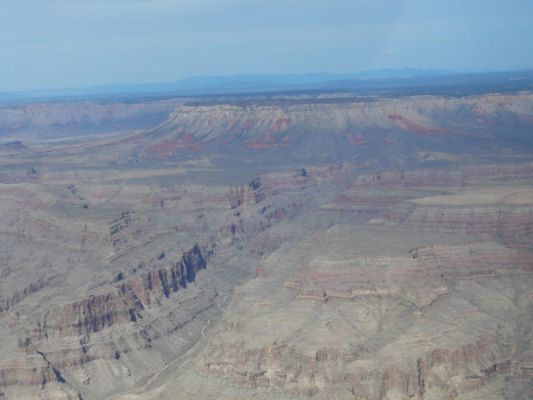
(58,44)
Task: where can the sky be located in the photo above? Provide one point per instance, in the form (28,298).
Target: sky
(79,43)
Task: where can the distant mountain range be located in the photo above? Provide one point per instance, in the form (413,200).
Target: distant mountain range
(250,83)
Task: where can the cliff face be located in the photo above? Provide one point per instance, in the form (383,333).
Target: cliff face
(91,315)
(151,287)
(409,130)
(72,337)
(126,301)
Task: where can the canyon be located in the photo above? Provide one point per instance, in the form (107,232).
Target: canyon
(280,246)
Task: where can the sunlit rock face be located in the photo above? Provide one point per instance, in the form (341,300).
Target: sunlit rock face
(286,247)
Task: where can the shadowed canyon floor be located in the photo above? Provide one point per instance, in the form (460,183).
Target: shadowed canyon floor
(280,247)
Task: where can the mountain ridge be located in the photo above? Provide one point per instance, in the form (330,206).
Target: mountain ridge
(246,83)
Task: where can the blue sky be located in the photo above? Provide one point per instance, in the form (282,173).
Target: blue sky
(76,43)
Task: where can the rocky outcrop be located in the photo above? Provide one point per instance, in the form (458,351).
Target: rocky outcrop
(92,314)
(153,286)
(71,338)
(125,302)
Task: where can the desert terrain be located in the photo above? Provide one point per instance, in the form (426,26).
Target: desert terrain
(283,246)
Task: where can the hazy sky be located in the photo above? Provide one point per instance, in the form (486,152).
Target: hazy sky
(63,43)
